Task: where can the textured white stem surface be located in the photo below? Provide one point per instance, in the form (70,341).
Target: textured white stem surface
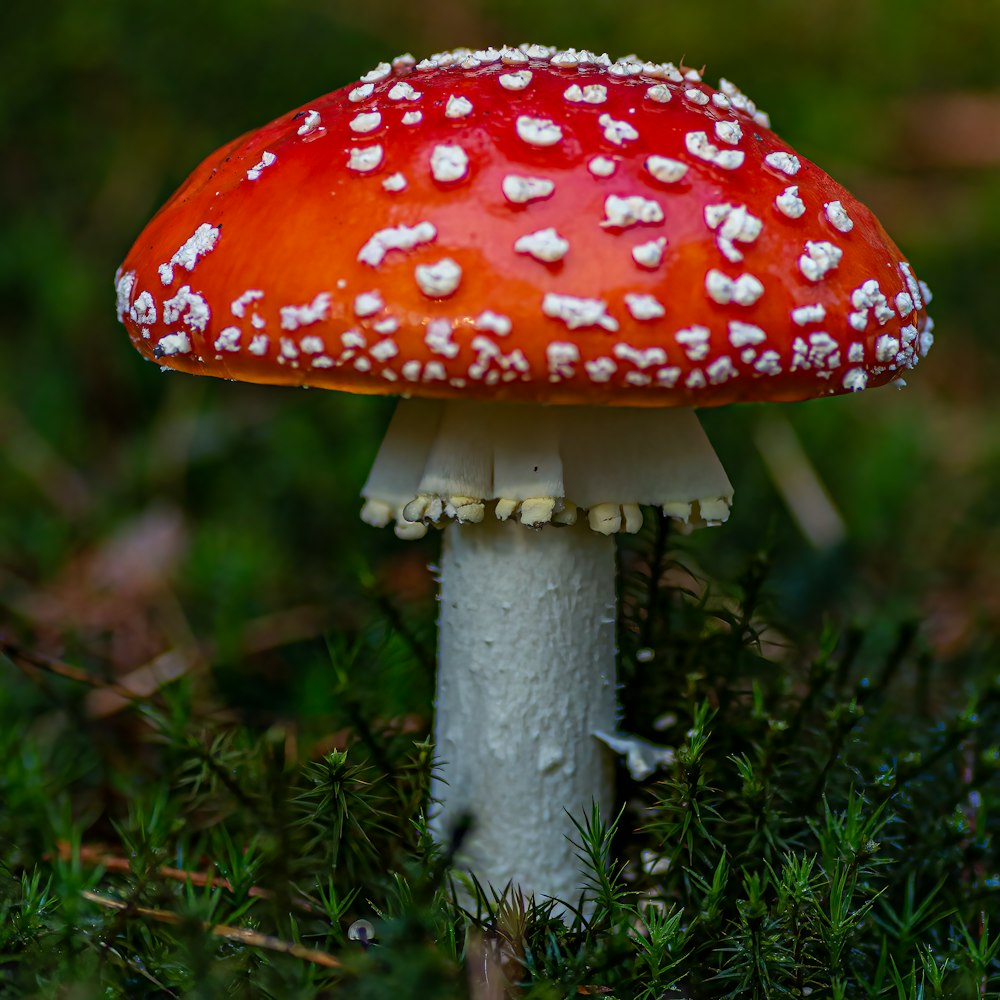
(526,675)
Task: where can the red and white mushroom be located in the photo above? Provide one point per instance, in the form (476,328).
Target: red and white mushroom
(552,257)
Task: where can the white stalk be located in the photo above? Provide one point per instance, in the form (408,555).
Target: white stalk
(526,676)
(530,497)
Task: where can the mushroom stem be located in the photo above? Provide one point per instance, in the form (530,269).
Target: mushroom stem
(530,498)
(526,675)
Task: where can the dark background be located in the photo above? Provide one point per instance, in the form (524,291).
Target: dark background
(143,514)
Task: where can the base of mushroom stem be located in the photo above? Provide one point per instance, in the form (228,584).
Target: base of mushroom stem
(446,461)
(526,676)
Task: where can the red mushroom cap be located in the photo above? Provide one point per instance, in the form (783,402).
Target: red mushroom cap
(525,224)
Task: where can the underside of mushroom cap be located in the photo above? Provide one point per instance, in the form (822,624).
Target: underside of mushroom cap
(541,465)
(525,224)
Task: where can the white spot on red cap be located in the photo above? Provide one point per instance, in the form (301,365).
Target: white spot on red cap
(228,339)
(789,203)
(494,323)
(600,369)
(744,290)
(696,96)
(904,304)
(124,286)
(649,357)
(438,338)
(520,190)
(694,340)
(745,334)
(741,102)
(535,51)
(545,245)
(188,307)
(401,237)
(259,344)
(665,169)
(403,91)
(413,118)
(617,132)
(567,59)
(886,347)
(365,159)
(578,312)
(786,163)
(820,258)
(292,317)
(697,144)
(649,254)
(662,71)
(143,311)
(732,223)
(311,124)
(729,131)
(538,131)
(458,107)
(438,280)
(266,159)
(368,304)
(512,57)
(823,352)
(868,297)
(239,304)
(592,93)
(912,285)
(515,81)
(449,163)
(644,307)
(659,92)
(601,166)
(855,379)
(395,182)
(384,350)
(173,343)
(838,217)
(721,370)
(366,122)
(803,315)
(631,210)
(201,242)
(361,93)
(562,358)
(769,363)
(380,72)
(926,337)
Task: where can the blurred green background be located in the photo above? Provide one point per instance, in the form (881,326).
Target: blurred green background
(142,514)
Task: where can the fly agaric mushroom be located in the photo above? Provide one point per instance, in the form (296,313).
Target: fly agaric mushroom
(552,258)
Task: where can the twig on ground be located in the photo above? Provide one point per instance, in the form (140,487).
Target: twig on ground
(116,863)
(252,939)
